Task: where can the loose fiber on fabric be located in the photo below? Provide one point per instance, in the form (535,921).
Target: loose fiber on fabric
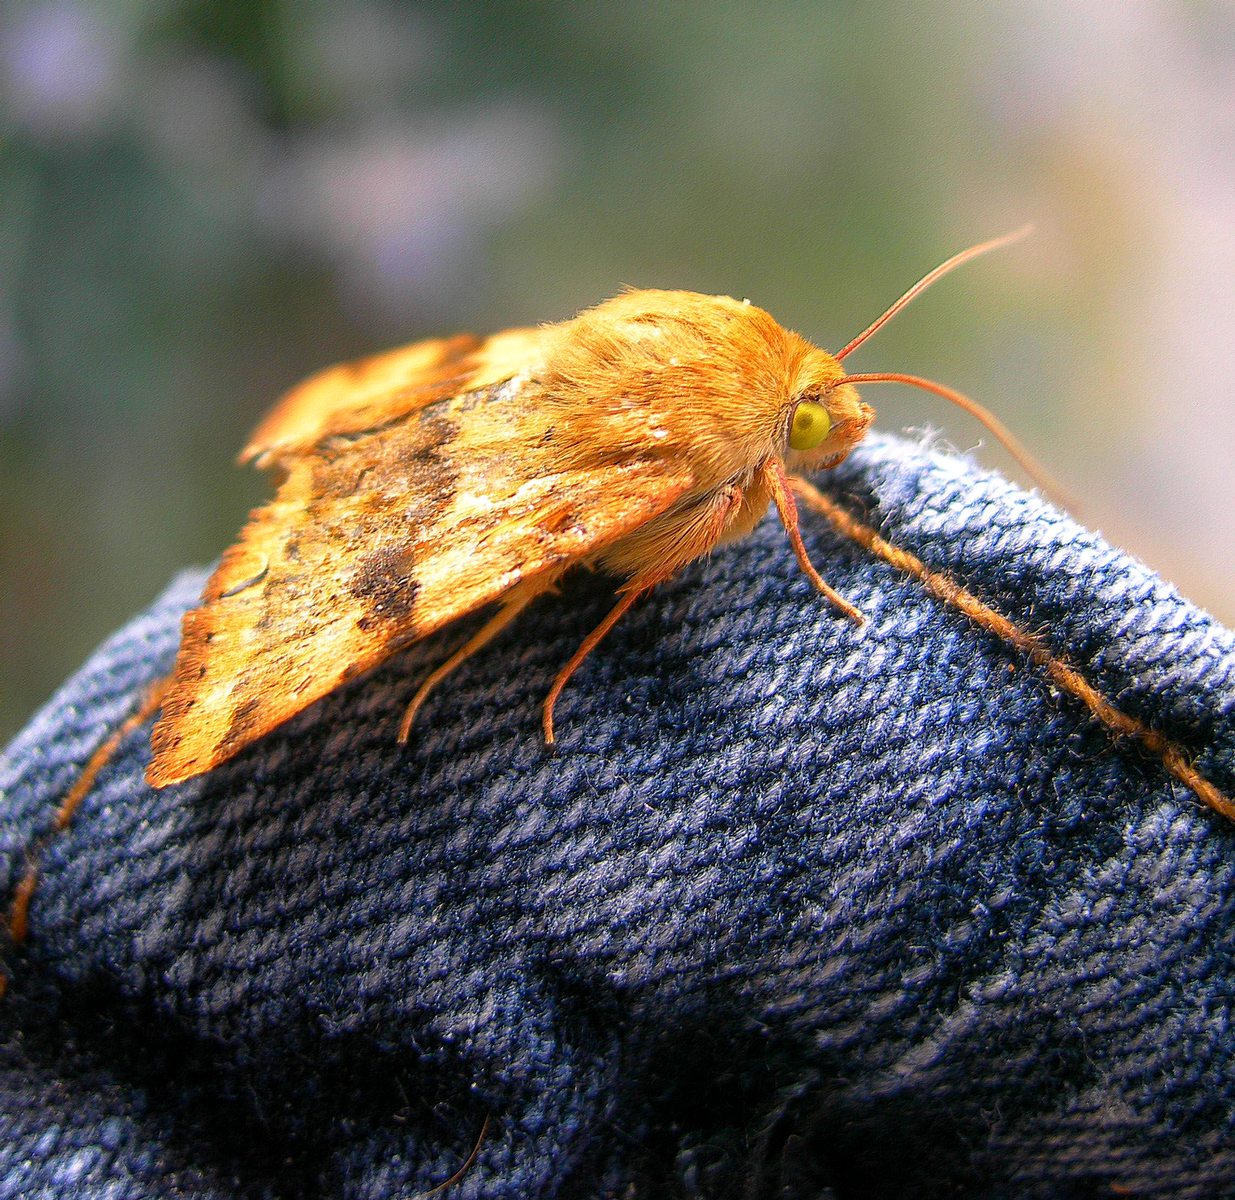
(794,909)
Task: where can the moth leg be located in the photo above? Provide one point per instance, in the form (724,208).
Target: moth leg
(699,534)
(777,482)
(593,639)
(514,602)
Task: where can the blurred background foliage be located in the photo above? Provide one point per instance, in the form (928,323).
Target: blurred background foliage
(201,201)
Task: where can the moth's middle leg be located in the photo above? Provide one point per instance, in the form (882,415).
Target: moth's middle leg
(512,604)
(693,533)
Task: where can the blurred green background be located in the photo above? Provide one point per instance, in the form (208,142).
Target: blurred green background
(202,202)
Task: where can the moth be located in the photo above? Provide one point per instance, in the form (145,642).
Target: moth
(426,483)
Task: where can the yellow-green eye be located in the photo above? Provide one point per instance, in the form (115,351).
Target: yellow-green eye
(810,425)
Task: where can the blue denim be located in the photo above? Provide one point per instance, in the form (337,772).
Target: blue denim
(794,910)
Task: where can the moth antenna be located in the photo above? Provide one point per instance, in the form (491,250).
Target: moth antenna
(1060,672)
(918,288)
(1001,432)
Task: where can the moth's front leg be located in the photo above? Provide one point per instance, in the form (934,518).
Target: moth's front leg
(772,473)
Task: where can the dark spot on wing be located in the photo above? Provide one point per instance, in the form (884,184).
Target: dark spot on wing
(386,581)
(372,502)
(406,483)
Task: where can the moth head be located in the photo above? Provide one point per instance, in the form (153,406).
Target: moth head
(825,418)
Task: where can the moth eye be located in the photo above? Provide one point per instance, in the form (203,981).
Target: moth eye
(810,425)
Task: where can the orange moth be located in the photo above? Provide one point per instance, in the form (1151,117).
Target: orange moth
(423,484)
(427,483)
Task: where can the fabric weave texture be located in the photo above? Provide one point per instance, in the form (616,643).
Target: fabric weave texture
(794,910)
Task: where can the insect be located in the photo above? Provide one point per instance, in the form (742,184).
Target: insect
(423,484)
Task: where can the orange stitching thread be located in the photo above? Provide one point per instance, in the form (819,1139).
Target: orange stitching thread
(1066,677)
(19,912)
(463,1170)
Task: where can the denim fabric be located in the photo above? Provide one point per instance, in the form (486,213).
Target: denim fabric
(795,909)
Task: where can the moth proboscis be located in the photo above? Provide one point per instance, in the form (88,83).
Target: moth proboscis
(426,483)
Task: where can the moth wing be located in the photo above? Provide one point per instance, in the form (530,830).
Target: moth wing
(375,541)
(369,393)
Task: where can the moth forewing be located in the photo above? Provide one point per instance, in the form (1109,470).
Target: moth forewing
(377,539)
